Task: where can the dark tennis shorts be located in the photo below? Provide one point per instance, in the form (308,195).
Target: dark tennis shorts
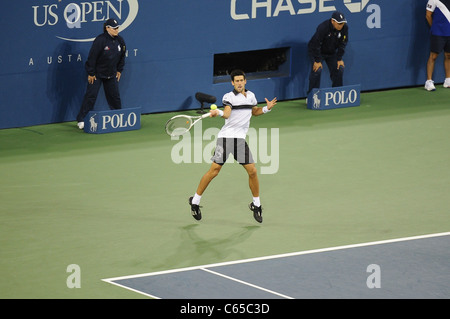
(236,146)
(439,44)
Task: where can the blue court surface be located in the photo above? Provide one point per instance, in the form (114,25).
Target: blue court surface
(407,268)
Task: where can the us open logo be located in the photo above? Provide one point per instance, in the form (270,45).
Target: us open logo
(76,15)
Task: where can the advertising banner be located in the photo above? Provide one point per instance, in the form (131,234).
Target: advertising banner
(113,121)
(333,98)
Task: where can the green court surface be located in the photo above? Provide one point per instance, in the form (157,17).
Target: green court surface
(116,204)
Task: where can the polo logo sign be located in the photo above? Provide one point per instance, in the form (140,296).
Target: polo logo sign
(332,98)
(113,121)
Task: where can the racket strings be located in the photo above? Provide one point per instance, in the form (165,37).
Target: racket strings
(178,126)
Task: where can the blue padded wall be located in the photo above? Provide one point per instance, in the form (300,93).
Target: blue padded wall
(171,46)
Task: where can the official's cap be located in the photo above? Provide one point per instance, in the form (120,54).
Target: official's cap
(112,23)
(338,17)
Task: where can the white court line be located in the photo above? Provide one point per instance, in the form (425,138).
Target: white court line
(246,283)
(313,251)
(132,289)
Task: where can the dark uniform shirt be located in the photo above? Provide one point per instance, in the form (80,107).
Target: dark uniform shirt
(328,41)
(106,57)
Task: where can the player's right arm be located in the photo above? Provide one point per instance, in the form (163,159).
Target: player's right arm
(226,112)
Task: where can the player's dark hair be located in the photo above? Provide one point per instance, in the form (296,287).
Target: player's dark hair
(236,73)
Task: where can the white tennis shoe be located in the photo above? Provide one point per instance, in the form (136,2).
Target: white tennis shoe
(80,125)
(447,83)
(429,85)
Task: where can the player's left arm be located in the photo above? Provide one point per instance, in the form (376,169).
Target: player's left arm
(256,111)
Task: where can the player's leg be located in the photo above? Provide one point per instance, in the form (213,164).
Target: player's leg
(213,171)
(194,201)
(253,181)
(244,156)
(255,205)
(219,158)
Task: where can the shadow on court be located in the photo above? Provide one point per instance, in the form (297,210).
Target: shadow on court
(193,247)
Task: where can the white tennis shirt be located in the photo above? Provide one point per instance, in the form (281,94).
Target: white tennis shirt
(236,126)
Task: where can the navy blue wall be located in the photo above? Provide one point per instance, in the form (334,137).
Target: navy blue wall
(171,47)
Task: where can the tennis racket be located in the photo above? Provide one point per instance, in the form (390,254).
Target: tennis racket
(180,124)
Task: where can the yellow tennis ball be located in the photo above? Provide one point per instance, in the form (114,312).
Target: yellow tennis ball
(213,106)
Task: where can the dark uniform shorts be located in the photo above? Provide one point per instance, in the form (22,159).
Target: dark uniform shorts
(236,146)
(439,44)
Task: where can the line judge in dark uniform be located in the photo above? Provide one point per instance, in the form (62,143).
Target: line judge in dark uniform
(104,65)
(328,44)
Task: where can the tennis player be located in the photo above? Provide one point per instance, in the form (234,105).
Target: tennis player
(239,106)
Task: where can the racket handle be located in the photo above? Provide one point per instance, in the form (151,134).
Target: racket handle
(206,115)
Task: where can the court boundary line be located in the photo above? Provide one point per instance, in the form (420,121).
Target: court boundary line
(246,283)
(113,280)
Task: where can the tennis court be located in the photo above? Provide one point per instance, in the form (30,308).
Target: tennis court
(414,267)
(116,204)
